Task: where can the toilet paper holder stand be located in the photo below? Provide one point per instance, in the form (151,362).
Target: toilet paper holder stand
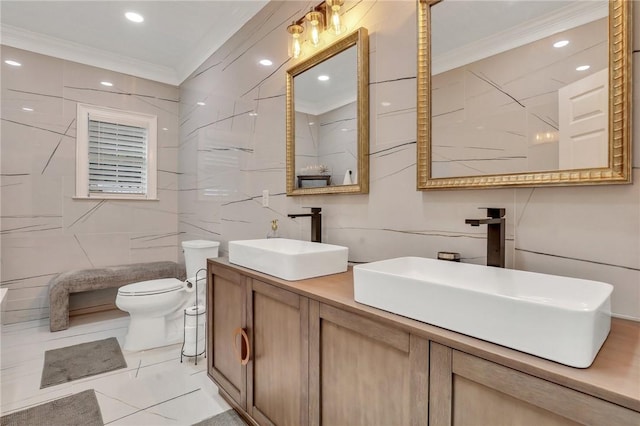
(197,314)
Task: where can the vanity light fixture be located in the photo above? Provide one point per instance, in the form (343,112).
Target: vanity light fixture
(295,48)
(265,62)
(561,43)
(13,63)
(315,20)
(106,83)
(336,23)
(323,77)
(583,67)
(134,17)
(324,16)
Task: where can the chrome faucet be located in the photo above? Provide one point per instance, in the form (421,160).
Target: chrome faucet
(316,223)
(495,235)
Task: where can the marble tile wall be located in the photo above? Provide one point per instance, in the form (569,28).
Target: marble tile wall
(45,231)
(588,232)
(338,136)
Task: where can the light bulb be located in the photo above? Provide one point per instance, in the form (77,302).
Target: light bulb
(315,37)
(335,19)
(296,46)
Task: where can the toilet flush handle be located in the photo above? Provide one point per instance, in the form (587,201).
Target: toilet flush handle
(244,353)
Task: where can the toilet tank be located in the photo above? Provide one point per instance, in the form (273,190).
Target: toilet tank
(196,253)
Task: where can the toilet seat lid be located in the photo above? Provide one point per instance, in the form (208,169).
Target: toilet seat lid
(163,285)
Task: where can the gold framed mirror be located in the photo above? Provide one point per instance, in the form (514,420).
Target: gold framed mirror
(327,119)
(541,101)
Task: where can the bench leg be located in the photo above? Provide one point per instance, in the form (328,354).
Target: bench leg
(58,310)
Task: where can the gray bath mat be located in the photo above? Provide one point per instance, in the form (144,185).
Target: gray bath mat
(228,418)
(83,360)
(76,410)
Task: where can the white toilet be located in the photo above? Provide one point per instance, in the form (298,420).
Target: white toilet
(156,307)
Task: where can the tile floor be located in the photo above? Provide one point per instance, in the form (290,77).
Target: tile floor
(155,388)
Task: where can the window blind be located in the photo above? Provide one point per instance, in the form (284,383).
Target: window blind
(117,158)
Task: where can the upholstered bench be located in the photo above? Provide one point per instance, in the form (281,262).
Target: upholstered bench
(81,280)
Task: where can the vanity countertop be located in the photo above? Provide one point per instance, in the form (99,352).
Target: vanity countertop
(613,376)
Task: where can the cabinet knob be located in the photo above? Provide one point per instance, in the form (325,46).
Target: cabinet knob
(244,353)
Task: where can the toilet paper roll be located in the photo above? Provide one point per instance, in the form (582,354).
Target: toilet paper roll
(190,334)
(192,321)
(194,316)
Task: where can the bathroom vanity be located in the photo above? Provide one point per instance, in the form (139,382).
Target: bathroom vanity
(305,353)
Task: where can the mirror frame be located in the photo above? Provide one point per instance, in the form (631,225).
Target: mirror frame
(360,39)
(620,100)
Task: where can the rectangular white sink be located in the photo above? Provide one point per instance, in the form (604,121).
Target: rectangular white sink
(558,318)
(289,259)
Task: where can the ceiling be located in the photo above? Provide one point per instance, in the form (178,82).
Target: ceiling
(175,38)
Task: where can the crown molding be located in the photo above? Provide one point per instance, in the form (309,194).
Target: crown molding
(579,13)
(75,52)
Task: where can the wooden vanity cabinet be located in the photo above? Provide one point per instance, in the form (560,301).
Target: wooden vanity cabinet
(304,353)
(468,390)
(258,343)
(363,372)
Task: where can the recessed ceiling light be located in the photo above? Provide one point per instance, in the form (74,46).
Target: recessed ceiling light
(265,62)
(345,130)
(201,103)
(106,83)
(12,63)
(323,77)
(27,109)
(385,103)
(165,129)
(561,43)
(311,123)
(134,17)
(583,67)
(253,114)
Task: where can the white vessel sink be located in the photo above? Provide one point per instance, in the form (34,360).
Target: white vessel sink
(558,318)
(289,259)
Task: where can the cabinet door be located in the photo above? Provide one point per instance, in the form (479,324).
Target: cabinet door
(362,372)
(277,385)
(467,390)
(226,313)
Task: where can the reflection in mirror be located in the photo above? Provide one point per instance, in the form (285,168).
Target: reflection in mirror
(327,120)
(521,97)
(326,128)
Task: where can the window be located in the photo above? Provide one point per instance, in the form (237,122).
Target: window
(115,154)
